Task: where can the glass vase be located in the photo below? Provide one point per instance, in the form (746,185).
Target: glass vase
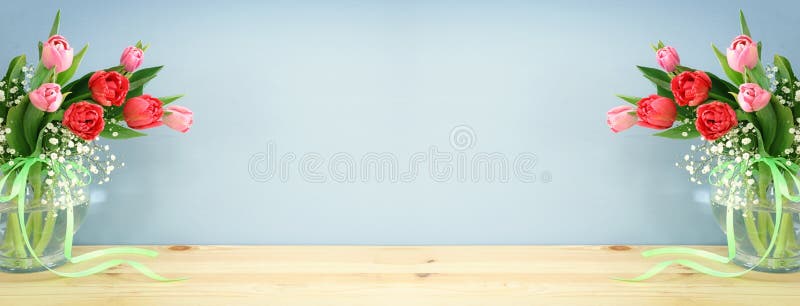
(46,224)
(754,216)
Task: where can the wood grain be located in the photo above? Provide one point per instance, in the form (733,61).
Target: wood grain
(376,275)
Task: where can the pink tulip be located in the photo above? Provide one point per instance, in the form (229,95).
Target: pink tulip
(752,97)
(57,53)
(47,97)
(131,58)
(742,53)
(668,58)
(620,118)
(179,118)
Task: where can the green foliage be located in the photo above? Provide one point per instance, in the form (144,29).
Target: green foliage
(757,75)
(56,24)
(14,72)
(785,71)
(734,76)
(784,68)
(169,99)
(15,69)
(660,78)
(767,120)
(121,132)
(139,79)
(16,139)
(31,123)
(41,75)
(745,29)
(784,121)
(677,132)
(629,99)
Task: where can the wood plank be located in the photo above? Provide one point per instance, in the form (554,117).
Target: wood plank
(386,275)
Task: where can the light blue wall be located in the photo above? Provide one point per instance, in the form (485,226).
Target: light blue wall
(359,77)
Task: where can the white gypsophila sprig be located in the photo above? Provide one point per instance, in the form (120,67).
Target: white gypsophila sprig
(13,91)
(63,146)
(784,90)
(739,145)
(728,164)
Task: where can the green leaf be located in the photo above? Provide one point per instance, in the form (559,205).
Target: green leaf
(75,98)
(31,122)
(785,72)
(139,79)
(629,99)
(170,99)
(745,116)
(660,78)
(677,132)
(57,116)
(758,76)
(16,139)
(56,24)
(664,92)
(78,86)
(785,121)
(655,74)
(719,85)
(768,124)
(734,76)
(48,117)
(121,132)
(41,75)
(759,50)
(144,73)
(15,69)
(114,112)
(65,75)
(784,68)
(745,29)
(139,84)
(721,91)
(660,83)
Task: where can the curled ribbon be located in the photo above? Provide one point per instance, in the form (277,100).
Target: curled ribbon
(21,167)
(777,166)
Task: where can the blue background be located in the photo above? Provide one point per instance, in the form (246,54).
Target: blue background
(358,77)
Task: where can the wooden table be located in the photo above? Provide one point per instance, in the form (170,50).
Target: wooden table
(373,275)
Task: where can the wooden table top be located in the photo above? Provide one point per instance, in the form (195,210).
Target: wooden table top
(378,275)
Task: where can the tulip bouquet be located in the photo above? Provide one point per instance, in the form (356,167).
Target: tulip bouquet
(50,126)
(749,149)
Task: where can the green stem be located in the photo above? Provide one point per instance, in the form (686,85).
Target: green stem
(763,225)
(29,226)
(37,226)
(16,235)
(780,241)
(47,232)
(752,232)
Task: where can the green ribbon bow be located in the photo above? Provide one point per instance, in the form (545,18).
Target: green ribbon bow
(21,167)
(778,166)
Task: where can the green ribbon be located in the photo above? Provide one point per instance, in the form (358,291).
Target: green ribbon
(21,166)
(778,166)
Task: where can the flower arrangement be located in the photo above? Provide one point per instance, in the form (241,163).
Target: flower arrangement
(749,149)
(50,126)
